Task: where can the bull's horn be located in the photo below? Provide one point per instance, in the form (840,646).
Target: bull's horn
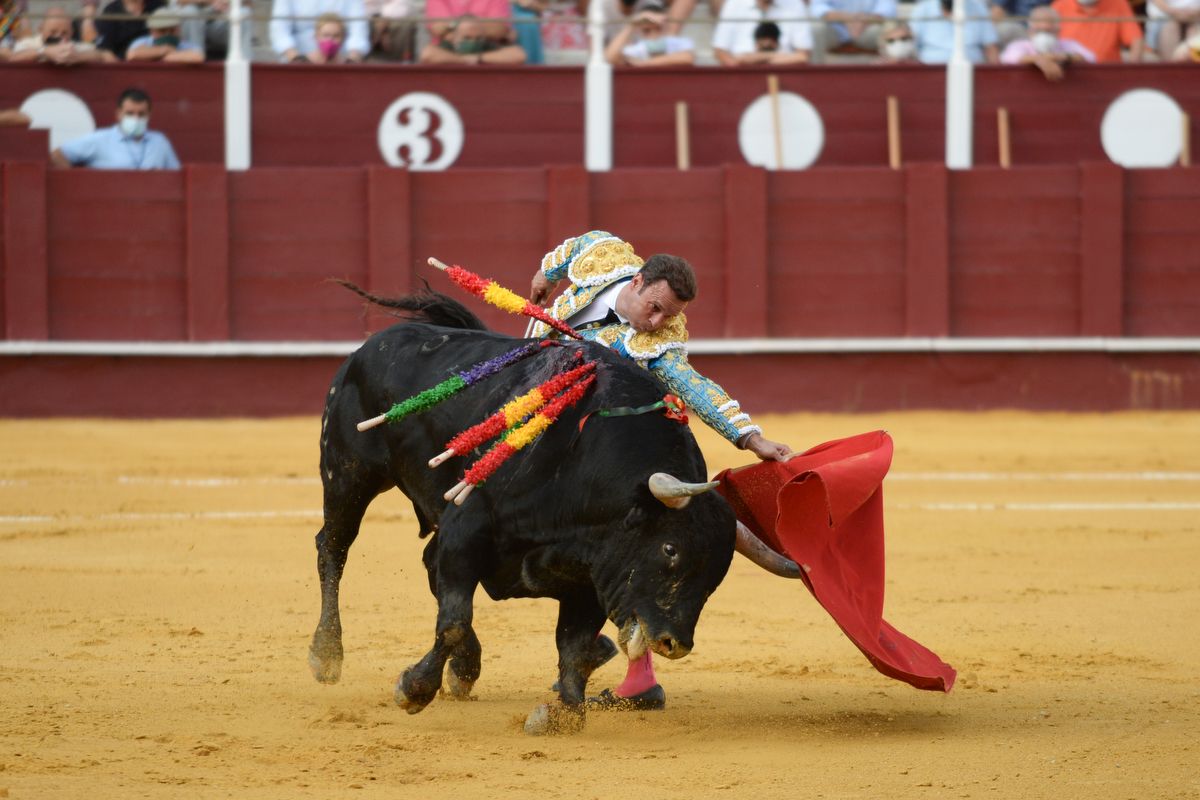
(753,548)
(674,492)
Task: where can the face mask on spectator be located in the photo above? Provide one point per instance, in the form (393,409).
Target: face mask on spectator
(50,41)
(1044,42)
(169,40)
(470,47)
(899,49)
(329,48)
(656,47)
(134,126)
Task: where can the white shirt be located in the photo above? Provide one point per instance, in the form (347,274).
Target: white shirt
(599,307)
(739,18)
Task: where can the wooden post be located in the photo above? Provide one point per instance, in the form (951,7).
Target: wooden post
(893,131)
(776,121)
(683,147)
(1005,143)
(1185,144)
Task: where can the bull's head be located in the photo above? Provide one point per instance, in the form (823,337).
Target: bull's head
(675,493)
(674,550)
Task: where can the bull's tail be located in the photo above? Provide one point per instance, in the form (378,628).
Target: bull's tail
(424,305)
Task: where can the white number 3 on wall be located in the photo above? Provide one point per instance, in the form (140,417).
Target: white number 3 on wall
(420,131)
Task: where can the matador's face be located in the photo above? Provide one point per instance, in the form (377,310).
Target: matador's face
(648,306)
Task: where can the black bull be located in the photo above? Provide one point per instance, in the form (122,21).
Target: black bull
(569,517)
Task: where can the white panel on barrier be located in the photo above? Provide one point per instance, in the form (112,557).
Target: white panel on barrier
(62,113)
(1143,128)
(799,128)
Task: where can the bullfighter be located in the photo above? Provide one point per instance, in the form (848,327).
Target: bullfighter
(636,308)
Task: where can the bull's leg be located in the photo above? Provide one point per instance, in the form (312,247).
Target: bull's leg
(464,667)
(342,520)
(456,576)
(578,620)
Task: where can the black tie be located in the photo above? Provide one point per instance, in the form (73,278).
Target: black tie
(609,319)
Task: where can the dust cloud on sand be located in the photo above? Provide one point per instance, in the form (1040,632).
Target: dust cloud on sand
(159,592)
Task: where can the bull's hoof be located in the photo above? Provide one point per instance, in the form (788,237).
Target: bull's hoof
(554,719)
(653,699)
(325,670)
(457,688)
(412,695)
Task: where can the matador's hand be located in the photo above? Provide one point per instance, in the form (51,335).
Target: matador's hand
(766,449)
(541,288)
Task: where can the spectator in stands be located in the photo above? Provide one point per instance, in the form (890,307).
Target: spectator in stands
(163,42)
(527,27)
(83,28)
(1103,27)
(644,42)
(933,28)
(115,35)
(470,41)
(55,43)
(896,43)
(393,30)
(1043,48)
(734,38)
(851,25)
(766,37)
(129,144)
(206,25)
(1189,50)
(494,15)
(1009,18)
(293,28)
(331,38)
(1171,22)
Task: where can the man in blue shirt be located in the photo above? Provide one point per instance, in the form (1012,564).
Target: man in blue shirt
(127,145)
(933,27)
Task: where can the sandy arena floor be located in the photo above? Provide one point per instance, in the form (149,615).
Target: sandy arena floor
(159,592)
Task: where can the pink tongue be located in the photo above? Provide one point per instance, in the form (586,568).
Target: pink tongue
(638,678)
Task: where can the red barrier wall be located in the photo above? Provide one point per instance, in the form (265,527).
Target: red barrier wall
(204,255)
(319,116)
(125,386)
(1059,123)
(528,117)
(852,101)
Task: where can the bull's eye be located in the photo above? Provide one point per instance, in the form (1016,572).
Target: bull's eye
(669,550)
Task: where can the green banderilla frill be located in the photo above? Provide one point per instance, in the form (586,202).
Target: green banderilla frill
(426,399)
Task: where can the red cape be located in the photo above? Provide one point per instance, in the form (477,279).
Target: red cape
(824,510)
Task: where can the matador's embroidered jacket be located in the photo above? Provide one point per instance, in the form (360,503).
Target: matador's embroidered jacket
(593,262)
